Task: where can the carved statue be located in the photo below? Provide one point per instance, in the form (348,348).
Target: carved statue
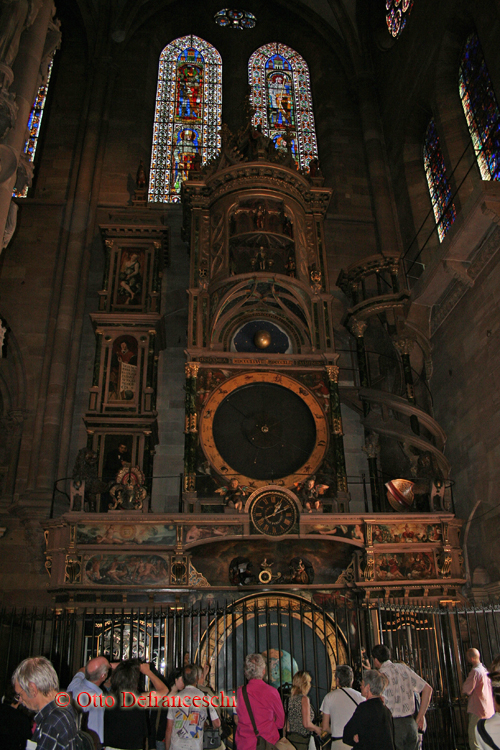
(309,493)
(128,493)
(15,16)
(85,470)
(140,178)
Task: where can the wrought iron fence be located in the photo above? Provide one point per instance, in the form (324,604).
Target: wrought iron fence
(292,632)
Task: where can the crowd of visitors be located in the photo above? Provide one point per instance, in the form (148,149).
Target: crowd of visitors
(388,713)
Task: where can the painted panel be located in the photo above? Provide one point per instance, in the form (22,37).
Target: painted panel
(126,533)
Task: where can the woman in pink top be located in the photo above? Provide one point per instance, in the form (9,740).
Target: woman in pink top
(265,703)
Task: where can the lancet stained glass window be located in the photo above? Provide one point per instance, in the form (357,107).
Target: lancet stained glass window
(34,122)
(187,117)
(439,187)
(281,97)
(397,13)
(481,108)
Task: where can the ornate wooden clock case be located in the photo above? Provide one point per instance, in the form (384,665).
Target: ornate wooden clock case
(262,403)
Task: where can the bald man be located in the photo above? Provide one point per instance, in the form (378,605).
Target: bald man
(478,687)
(89,680)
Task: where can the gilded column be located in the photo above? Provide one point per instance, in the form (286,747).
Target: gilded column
(337,432)
(191,427)
(372,450)
(404,347)
(358,328)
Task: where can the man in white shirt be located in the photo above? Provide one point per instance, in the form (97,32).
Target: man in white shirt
(89,680)
(339,705)
(399,698)
(185,721)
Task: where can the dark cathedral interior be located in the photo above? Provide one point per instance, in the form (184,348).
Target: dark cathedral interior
(248,331)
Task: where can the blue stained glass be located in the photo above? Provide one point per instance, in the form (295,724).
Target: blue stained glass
(439,187)
(187,117)
(397,14)
(481,108)
(281,97)
(34,123)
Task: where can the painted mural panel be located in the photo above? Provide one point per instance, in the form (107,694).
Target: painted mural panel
(354,532)
(409,533)
(405,565)
(195,533)
(126,570)
(126,533)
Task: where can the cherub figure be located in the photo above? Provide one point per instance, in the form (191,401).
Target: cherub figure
(309,493)
(234,495)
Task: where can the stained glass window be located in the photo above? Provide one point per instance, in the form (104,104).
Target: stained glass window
(481,108)
(187,117)
(397,13)
(281,98)
(235,19)
(34,122)
(439,187)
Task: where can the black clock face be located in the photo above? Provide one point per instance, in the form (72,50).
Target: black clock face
(264,431)
(273,513)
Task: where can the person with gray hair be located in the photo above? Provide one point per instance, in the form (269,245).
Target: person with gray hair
(371,727)
(89,680)
(339,705)
(36,683)
(265,706)
(399,696)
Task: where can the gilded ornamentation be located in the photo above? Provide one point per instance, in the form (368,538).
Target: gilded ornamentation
(333,373)
(337,425)
(445,565)
(189,482)
(358,327)
(191,369)
(370,567)
(73,569)
(404,345)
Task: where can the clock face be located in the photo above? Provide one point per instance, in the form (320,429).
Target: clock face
(273,513)
(263,428)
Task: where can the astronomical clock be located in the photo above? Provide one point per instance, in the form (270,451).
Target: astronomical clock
(262,403)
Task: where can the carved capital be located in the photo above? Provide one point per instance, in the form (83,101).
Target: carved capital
(109,243)
(358,327)
(333,373)
(403,344)
(191,369)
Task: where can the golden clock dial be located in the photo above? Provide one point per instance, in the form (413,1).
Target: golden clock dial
(263,428)
(273,513)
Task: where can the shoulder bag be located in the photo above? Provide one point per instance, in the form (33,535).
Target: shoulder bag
(262,744)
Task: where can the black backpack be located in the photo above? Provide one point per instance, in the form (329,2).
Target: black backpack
(84,740)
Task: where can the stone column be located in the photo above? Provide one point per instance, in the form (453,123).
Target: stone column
(376,157)
(26,70)
(191,427)
(76,250)
(337,431)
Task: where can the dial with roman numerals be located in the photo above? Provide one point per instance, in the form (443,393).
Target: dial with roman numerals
(273,513)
